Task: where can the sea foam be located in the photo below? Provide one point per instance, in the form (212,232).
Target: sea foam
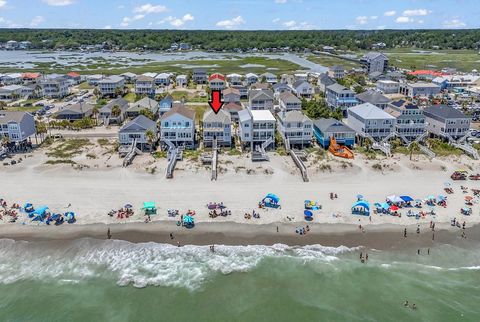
(141,265)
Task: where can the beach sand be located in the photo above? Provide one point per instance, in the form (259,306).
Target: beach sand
(103,184)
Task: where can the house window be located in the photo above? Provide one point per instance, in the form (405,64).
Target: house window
(187,124)
(165,124)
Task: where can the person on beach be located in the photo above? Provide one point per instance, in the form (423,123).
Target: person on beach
(405,232)
(418,229)
(171,236)
(178,244)
(361,255)
(109,235)
(212,248)
(277,229)
(414,307)
(418,251)
(463,225)
(433,227)
(428,251)
(433,236)
(464,235)
(366,257)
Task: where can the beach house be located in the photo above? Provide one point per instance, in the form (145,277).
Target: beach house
(303,89)
(199,76)
(165,104)
(129,77)
(55,86)
(111,86)
(256,127)
(231,94)
(370,121)
(336,72)
(410,120)
(295,127)
(374,62)
(324,81)
(219,126)
(31,78)
(388,86)
(269,78)
(234,79)
(420,89)
(182,80)
(93,80)
(251,78)
(163,79)
(443,120)
(11,92)
(74,78)
(289,102)
(373,97)
(113,112)
(300,77)
(338,96)
(16,126)
(324,129)
(145,103)
(216,82)
(136,131)
(243,91)
(12,79)
(233,108)
(145,85)
(259,99)
(280,88)
(178,126)
(75,112)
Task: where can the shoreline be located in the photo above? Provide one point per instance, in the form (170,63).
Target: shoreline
(380,237)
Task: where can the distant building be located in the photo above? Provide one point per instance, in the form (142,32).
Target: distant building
(289,102)
(303,89)
(233,108)
(338,96)
(375,62)
(444,120)
(419,89)
(324,81)
(199,76)
(166,104)
(163,79)
(269,78)
(374,98)
(231,95)
(256,127)
(105,112)
(145,85)
(260,99)
(388,86)
(136,131)
(93,80)
(182,80)
(296,127)
(129,77)
(109,86)
(251,78)
(336,72)
(75,112)
(12,79)
(178,126)
(216,82)
(234,79)
(55,86)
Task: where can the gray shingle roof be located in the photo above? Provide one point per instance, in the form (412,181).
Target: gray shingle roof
(337,88)
(294,116)
(140,123)
(369,111)
(445,112)
(373,97)
(332,126)
(222,116)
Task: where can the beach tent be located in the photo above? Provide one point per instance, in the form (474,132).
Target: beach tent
(442,198)
(40,213)
(361,208)
(406,198)
(308,214)
(188,221)
(430,198)
(150,208)
(394,199)
(382,206)
(312,205)
(271,200)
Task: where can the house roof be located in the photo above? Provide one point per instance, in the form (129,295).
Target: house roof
(369,111)
(31,75)
(180,109)
(337,88)
(445,112)
(233,107)
(121,102)
(425,72)
(264,86)
(12,116)
(222,116)
(326,80)
(233,75)
(216,76)
(111,79)
(143,78)
(73,74)
(78,108)
(337,67)
(140,123)
(332,125)
(288,97)
(245,115)
(262,115)
(129,74)
(294,116)
(373,97)
(260,93)
(373,55)
(251,75)
(300,83)
(423,85)
(267,75)
(145,102)
(231,90)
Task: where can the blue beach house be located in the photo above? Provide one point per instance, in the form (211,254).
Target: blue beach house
(324,129)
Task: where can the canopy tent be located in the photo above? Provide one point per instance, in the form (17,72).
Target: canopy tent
(406,198)
(361,204)
(361,208)
(274,198)
(430,198)
(150,208)
(394,199)
(312,205)
(442,198)
(382,206)
(188,221)
(39,213)
(271,200)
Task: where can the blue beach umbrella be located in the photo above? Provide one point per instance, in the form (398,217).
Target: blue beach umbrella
(308,213)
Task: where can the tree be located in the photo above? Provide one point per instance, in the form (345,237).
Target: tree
(367,143)
(116,111)
(150,138)
(147,113)
(2,105)
(95,113)
(413,147)
(118,91)
(96,92)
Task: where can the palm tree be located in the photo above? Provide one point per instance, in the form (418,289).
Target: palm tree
(95,114)
(116,111)
(118,91)
(413,147)
(2,105)
(96,92)
(150,138)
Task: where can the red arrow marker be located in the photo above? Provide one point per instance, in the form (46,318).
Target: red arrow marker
(216,101)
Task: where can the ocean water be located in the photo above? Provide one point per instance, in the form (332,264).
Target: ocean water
(96,280)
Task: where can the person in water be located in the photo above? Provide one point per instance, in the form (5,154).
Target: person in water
(405,304)
(414,307)
(405,233)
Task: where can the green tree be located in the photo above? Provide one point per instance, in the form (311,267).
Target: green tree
(116,111)
(147,113)
(367,143)
(413,148)
(150,138)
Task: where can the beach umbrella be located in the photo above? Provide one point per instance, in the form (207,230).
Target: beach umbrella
(468,198)
(394,208)
(128,206)
(441,198)
(430,198)
(418,200)
(359,197)
(406,198)
(308,213)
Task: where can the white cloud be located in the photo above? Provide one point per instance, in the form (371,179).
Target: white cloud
(3,3)
(107,27)
(121,7)
(454,23)
(59,3)
(177,22)
(36,21)
(149,8)
(281,1)
(127,20)
(231,23)
(9,23)
(361,20)
(276,20)
(373,17)
(416,12)
(402,19)
(390,13)
(381,27)
(294,25)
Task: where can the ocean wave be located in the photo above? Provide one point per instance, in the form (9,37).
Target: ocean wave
(141,265)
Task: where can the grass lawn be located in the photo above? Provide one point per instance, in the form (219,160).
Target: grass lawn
(24,108)
(130,97)
(68,148)
(84,86)
(328,61)
(199,111)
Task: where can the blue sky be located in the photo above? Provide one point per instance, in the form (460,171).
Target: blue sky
(240,14)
